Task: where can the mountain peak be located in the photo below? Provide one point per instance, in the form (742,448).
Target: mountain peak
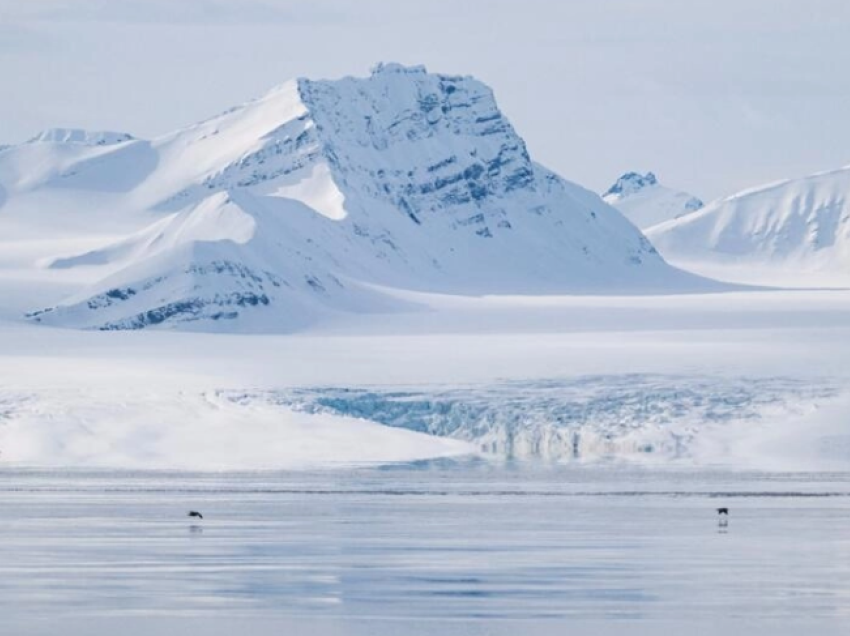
(645,202)
(630,183)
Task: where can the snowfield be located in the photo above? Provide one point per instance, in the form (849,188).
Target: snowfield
(179,430)
(746,379)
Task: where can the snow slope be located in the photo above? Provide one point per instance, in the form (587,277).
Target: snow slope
(162,428)
(645,202)
(300,204)
(794,232)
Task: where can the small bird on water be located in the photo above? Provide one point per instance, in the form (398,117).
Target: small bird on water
(195,513)
(723,511)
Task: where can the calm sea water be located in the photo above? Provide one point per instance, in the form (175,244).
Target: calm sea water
(462,548)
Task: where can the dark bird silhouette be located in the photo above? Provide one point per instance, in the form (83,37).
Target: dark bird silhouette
(723,511)
(195,513)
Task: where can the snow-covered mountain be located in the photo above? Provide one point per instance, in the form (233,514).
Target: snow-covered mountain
(311,199)
(792,232)
(645,202)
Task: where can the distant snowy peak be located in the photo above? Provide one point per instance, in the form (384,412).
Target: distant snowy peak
(791,232)
(81,137)
(628,184)
(645,202)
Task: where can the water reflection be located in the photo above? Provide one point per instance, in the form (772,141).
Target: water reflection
(492,544)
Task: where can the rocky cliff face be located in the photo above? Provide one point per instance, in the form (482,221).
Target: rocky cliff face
(426,144)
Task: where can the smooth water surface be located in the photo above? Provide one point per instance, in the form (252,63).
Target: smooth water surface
(466,547)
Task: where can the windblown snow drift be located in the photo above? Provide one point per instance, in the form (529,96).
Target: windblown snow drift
(312,199)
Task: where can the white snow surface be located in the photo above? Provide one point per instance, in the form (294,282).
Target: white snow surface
(302,204)
(646,202)
(174,429)
(745,379)
(794,232)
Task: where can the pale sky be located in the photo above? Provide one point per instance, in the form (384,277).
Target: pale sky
(712,95)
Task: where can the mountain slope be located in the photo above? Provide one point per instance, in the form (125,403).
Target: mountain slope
(793,232)
(306,201)
(645,202)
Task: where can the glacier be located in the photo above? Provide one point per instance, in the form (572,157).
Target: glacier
(590,418)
